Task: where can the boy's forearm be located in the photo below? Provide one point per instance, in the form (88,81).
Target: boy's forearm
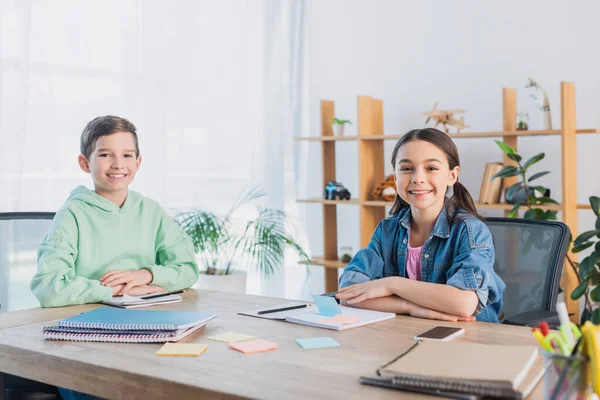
(51,293)
(435,296)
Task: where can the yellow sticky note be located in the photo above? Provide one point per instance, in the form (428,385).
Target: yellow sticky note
(182,349)
(253,346)
(230,337)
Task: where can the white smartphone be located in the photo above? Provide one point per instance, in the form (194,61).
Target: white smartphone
(441,333)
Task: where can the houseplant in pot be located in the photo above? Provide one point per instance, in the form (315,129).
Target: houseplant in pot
(224,244)
(338,126)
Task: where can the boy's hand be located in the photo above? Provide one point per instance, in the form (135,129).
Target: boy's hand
(142,290)
(365,291)
(129,279)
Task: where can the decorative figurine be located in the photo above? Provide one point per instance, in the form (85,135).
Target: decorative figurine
(446,117)
(336,191)
(386,190)
(543,104)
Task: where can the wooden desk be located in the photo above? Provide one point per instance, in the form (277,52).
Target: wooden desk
(133,371)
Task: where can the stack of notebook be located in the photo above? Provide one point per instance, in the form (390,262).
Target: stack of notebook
(109,324)
(455,369)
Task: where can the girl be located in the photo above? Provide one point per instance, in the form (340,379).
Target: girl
(434,256)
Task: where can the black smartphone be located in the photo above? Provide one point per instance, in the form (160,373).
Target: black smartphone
(442,333)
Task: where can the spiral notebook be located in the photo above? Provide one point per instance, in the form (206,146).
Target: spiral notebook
(107,324)
(99,335)
(471,368)
(124,319)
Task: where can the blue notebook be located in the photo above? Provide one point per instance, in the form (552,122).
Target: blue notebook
(124,319)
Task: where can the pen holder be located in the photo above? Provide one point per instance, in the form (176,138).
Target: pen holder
(566,377)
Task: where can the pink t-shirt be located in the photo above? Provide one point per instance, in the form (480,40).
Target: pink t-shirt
(413,263)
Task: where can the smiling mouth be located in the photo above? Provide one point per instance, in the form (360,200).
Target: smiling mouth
(116,176)
(419,191)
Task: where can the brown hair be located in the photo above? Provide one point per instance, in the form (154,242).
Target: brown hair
(104,126)
(461,199)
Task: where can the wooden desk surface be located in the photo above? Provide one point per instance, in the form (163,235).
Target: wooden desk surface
(133,371)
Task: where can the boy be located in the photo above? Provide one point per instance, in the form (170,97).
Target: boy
(111,241)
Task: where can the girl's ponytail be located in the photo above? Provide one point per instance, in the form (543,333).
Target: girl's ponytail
(461,199)
(399,204)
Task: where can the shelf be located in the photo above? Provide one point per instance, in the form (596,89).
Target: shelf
(328,202)
(467,135)
(381,203)
(326,263)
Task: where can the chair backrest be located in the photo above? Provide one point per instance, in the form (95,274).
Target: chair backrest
(529,258)
(20,236)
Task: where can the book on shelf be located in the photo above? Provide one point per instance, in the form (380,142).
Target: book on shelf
(491,189)
(467,368)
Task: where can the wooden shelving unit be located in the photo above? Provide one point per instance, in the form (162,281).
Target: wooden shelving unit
(371,171)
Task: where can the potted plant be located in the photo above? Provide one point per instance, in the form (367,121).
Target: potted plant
(588,270)
(338,126)
(223,243)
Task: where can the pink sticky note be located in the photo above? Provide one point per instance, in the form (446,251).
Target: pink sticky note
(253,346)
(341,319)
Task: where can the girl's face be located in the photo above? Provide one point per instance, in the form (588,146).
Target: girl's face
(423,175)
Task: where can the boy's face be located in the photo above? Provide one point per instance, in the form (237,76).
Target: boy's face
(112,164)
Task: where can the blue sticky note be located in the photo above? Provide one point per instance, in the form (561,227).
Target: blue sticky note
(327,305)
(317,343)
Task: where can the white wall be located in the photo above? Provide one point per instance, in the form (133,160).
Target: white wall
(460,53)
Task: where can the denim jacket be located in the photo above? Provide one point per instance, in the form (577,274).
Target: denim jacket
(460,255)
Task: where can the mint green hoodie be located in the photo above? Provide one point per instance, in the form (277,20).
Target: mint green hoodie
(91,235)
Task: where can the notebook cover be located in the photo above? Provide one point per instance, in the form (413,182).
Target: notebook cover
(463,363)
(127,301)
(123,319)
(366,317)
(121,337)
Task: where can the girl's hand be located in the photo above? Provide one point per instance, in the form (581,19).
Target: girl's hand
(142,290)
(128,278)
(422,312)
(365,291)
(116,289)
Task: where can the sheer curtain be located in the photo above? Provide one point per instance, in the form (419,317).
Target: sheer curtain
(214,88)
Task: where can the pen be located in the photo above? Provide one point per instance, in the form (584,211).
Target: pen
(282,309)
(154,296)
(565,326)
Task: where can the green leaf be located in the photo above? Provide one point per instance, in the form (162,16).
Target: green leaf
(597,223)
(595,294)
(577,249)
(585,316)
(595,276)
(585,236)
(580,289)
(514,212)
(597,248)
(514,157)
(510,192)
(533,160)
(551,215)
(595,203)
(587,264)
(506,148)
(529,214)
(596,316)
(538,175)
(506,172)
(546,200)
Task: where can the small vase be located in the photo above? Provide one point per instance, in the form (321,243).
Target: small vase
(338,129)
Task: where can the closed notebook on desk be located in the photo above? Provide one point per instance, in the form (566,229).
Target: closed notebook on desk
(488,370)
(364,317)
(123,319)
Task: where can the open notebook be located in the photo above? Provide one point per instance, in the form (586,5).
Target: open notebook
(309,315)
(471,368)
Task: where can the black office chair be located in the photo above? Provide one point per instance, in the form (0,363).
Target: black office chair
(530,255)
(20,236)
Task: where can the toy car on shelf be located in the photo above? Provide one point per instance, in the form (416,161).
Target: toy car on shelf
(336,191)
